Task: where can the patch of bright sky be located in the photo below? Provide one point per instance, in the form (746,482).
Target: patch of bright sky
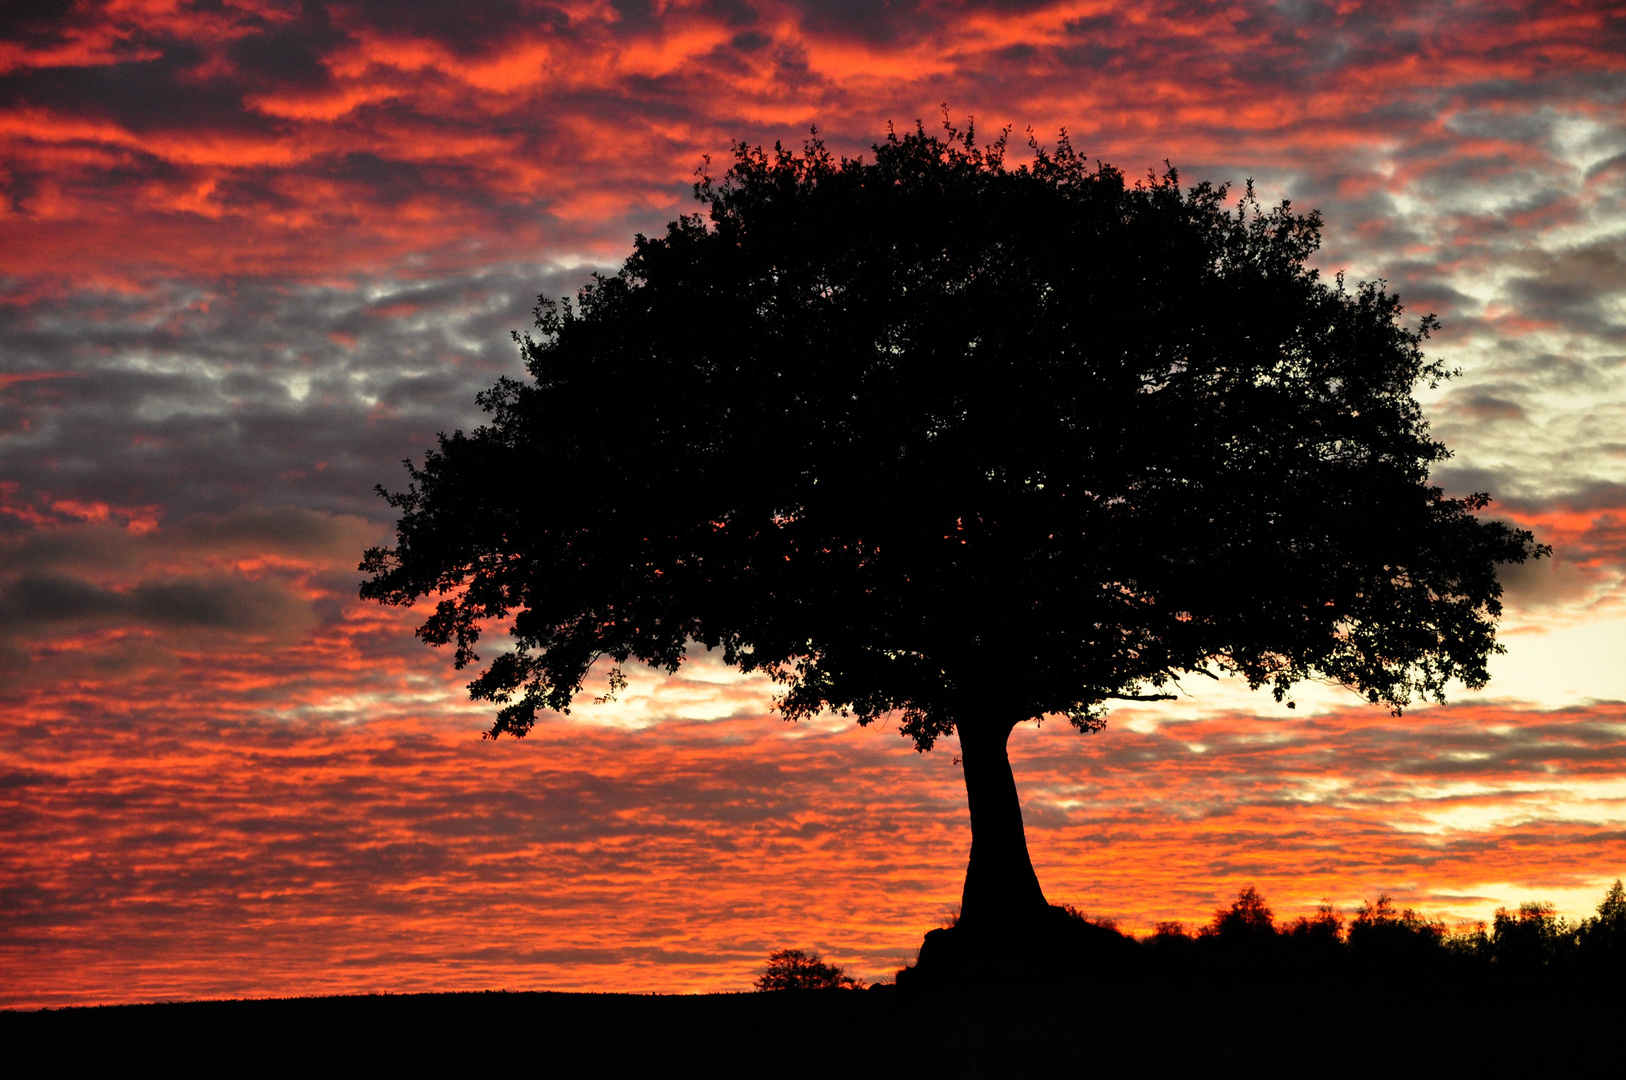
(450,705)
(703,688)
(1574,903)
(1568,665)
(1542,668)
(1315,789)
(1548,669)
(1198,698)
(1517,803)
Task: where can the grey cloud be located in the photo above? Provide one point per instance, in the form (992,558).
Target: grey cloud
(101,549)
(864,19)
(291,529)
(288,54)
(266,608)
(1482,404)
(260,607)
(53,598)
(1542,370)
(736,13)
(1419,285)
(1578,287)
(1602,170)
(1519,126)
(39,24)
(468,29)
(140,95)
(1596,495)
(204,400)
(1549,583)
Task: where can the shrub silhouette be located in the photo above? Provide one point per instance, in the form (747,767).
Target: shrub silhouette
(793,969)
(1073,913)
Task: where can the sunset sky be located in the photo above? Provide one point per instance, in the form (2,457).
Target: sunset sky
(254,254)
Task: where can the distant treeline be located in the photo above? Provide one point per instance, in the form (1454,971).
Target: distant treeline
(1532,936)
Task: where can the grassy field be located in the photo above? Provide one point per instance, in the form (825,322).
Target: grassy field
(1220,1020)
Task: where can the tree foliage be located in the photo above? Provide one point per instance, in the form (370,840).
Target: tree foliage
(1380,929)
(793,969)
(932,434)
(1325,927)
(1248,916)
(1533,935)
(1519,941)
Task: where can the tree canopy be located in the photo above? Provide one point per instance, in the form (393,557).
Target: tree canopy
(933,434)
(793,969)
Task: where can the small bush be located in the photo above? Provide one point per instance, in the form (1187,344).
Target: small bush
(793,969)
(1104,921)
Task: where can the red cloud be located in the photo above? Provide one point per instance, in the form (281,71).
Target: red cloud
(296,145)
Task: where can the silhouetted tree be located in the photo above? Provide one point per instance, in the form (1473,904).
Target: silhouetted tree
(1248,918)
(1602,939)
(1468,943)
(971,444)
(792,969)
(1379,930)
(1323,929)
(1534,936)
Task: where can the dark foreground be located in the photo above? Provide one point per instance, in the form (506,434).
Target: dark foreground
(1220,1021)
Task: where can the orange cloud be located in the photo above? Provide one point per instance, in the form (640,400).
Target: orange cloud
(317,843)
(517,118)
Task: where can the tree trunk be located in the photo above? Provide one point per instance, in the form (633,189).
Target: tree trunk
(1001,890)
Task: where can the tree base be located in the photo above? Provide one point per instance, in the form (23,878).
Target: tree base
(1056,949)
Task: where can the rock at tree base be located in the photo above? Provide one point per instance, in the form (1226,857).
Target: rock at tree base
(1060,948)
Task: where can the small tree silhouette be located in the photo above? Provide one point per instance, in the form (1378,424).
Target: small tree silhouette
(1533,936)
(1378,928)
(1603,938)
(1325,927)
(1247,917)
(793,969)
(1169,937)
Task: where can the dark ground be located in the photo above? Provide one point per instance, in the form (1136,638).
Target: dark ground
(1216,1022)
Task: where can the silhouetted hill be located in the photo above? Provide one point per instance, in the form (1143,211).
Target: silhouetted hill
(1217,1017)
